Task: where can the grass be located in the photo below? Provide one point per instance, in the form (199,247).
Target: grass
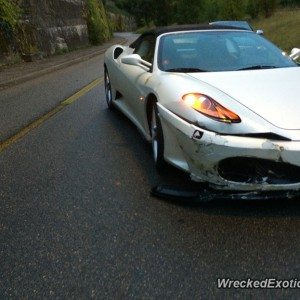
(12,59)
(283,28)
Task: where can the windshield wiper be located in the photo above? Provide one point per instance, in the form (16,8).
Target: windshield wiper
(257,67)
(185,70)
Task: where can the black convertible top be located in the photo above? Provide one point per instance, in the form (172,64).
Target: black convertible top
(160,30)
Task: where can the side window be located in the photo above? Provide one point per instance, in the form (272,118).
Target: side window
(145,48)
(135,43)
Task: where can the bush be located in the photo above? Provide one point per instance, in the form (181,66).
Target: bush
(232,10)
(212,10)
(188,11)
(253,8)
(97,22)
(291,3)
(9,16)
(9,13)
(268,7)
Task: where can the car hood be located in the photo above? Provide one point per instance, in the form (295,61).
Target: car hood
(274,94)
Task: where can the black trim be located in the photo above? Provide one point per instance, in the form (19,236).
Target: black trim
(205,193)
(264,135)
(161,30)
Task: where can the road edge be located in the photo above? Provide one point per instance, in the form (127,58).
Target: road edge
(46,116)
(33,75)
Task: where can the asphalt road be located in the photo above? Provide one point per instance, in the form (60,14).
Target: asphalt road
(77,220)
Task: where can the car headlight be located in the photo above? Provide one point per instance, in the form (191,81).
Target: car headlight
(210,108)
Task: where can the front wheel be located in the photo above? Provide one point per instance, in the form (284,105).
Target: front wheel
(108,90)
(157,139)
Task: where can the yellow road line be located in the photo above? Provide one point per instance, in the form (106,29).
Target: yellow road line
(5,144)
(83,91)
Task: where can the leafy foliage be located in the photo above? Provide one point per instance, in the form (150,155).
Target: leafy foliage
(291,3)
(9,16)
(232,9)
(253,8)
(9,13)
(268,7)
(98,25)
(142,10)
(165,12)
(189,11)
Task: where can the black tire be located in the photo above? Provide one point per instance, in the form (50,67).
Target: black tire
(157,139)
(108,90)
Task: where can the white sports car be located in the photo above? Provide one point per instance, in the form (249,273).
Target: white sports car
(219,102)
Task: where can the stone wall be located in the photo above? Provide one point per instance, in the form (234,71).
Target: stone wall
(54,25)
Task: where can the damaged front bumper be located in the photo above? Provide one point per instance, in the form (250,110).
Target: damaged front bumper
(206,195)
(204,154)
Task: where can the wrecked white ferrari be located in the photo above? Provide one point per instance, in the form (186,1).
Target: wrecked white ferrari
(221,103)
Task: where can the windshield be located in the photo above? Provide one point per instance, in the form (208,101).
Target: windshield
(212,51)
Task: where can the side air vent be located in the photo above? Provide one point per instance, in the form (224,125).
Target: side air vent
(118,95)
(118,51)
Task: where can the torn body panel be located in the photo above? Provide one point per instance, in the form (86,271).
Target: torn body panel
(202,153)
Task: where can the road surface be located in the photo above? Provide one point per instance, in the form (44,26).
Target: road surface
(77,219)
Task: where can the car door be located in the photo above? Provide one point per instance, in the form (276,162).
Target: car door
(134,79)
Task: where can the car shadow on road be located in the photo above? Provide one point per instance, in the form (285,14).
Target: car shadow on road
(141,150)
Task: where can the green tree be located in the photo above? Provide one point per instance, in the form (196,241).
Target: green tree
(97,22)
(212,9)
(232,10)
(143,10)
(291,3)
(9,17)
(163,13)
(253,8)
(189,11)
(268,7)
(9,13)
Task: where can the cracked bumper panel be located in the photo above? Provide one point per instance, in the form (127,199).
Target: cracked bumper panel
(204,150)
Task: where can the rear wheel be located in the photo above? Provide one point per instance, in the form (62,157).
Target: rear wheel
(108,90)
(157,139)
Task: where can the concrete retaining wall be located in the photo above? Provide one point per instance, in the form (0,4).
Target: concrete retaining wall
(55,24)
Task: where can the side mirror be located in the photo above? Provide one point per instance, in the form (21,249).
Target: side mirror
(136,60)
(295,53)
(260,32)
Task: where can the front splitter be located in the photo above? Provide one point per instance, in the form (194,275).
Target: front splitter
(207,194)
